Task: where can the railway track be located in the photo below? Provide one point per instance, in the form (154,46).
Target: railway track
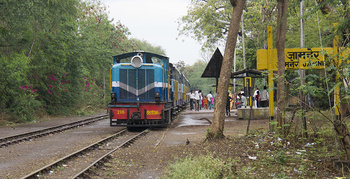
(79,163)
(47,131)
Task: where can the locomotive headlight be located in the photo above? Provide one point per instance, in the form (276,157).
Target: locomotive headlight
(113,96)
(157,97)
(136,61)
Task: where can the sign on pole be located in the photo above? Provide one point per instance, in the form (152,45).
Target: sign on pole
(305,58)
(298,58)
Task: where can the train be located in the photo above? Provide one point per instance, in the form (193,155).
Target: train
(146,90)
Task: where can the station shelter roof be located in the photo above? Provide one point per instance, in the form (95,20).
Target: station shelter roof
(214,67)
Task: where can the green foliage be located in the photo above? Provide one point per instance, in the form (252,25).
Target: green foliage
(56,55)
(194,72)
(93,94)
(203,166)
(17,97)
(207,20)
(147,47)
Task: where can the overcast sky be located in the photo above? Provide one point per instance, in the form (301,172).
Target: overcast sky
(156,22)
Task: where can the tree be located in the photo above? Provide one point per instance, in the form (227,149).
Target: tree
(282,11)
(56,53)
(180,65)
(217,126)
(207,20)
(146,46)
(193,74)
(340,70)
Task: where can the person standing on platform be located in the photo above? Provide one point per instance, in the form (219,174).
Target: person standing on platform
(228,105)
(257,100)
(200,99)
(264,97)
(254,97)
(205,102)
(191,96)
(243,99)
(209,97)
(232,102)
(196,98)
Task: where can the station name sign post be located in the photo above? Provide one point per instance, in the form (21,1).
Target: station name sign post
(295,59)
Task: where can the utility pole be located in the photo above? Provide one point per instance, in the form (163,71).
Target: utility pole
(234,70)
(243,45)
(302,35)
(302,72)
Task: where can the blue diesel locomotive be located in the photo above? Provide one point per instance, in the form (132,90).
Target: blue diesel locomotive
(147,90)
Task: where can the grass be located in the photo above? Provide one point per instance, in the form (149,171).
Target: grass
(276,157)
(8,120)
(202,166)
(290,156)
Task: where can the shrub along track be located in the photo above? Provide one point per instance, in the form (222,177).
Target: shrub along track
(6,141)
(78,164)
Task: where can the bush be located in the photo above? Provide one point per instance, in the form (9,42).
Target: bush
(18,97)
(25,105)
(203,166)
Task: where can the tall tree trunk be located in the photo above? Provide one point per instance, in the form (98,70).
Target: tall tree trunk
(342,131)
(217,126)
(282,11)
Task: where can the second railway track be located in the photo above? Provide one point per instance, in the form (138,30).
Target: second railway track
(6,141)
(78,163)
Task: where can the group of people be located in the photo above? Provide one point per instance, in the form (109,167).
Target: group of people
(259,99)
(262,100)
(198,101)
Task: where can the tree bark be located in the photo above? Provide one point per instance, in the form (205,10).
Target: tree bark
(342,130)
(217,126)
(282,11)
(325,8)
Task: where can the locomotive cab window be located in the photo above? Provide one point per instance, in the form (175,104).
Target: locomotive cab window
(158,61)
(154,60)
(124,60)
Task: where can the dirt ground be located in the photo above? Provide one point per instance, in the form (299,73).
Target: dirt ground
(259,154)
(150,155)
(146,158)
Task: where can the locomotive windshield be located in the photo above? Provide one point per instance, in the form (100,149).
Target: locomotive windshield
(156,60)
(149,58)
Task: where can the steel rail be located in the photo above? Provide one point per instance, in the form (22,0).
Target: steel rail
(50,130)
(125,144)
(81,151)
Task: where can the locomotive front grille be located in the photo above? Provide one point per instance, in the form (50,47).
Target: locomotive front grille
(136,83)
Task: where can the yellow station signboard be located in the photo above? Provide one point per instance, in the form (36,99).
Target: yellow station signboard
(305,58)
(300,58)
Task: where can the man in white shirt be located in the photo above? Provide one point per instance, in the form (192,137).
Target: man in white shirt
(197,98)
(241,100)
(264,97)
(191,96)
